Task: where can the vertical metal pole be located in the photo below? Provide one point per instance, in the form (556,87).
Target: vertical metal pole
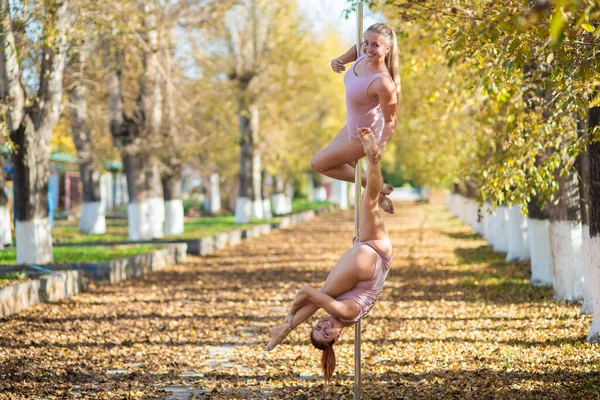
(357,200)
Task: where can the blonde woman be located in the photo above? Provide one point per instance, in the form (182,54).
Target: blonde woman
(354,284)
(372,92)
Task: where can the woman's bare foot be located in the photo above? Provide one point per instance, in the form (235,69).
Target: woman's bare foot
(369,142)
(386,204)
(372,149)
(278,333)
(386,189)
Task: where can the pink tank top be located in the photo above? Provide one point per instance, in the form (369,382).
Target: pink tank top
(366,293)
(361,111)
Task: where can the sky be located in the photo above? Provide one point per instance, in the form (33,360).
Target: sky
(329,12)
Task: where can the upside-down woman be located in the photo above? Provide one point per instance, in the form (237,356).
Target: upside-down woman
(355,282)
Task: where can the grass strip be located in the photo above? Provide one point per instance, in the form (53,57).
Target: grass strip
(64,255)
(66,231)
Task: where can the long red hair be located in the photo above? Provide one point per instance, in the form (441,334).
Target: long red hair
(327,357)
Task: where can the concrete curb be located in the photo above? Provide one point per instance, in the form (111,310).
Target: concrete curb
(68,279)
(46,288)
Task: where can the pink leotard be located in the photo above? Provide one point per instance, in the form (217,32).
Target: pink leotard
(366,293)
(361,111)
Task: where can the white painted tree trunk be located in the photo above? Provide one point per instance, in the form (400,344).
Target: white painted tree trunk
(106,191)
(467,211)
(320,194)
(486,222)
(477,224)
(492,227)
(590,271)
(123,194)
(455,204)
(518,240)
(5,232)
(34,241)
(156,216)
(266,203)
(339,193)
(243,210)
(424,192)
(174,217)
(501,242)
(289,196)
(138,223)
(257,209)
(539,249)
(448,199)
(93,220)
(279,204)
(461,212)
(594,260)
(566,243)
(215,194)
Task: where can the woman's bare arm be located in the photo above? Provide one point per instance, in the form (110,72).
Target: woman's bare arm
(337,64)
(385,90)
(332,306)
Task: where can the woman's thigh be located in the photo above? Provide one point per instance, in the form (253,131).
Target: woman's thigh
(357,264)
(342,150)
(371,226)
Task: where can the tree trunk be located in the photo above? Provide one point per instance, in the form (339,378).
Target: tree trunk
(137,208)
(535,95)
(289,195)
(257,204)
(93,209)
(248,118)
(566,239)
(501,229)
(30,129)
(518,239)
(172,171)
(594,220)
(538,232)
(472,212)
(279,203)
(5,232)
(267,189)
(172,183)
(214,192)
(583,170)
(156,201)
(134,134)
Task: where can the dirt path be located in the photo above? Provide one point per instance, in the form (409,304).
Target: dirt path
(454,321)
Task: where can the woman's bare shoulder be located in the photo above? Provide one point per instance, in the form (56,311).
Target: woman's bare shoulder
(384,85)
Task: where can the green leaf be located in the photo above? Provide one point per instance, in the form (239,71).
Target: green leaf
(588,27)
(557,24)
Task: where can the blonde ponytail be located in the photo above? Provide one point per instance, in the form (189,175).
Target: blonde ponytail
(391,58)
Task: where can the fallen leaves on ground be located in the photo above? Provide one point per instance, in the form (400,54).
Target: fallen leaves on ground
(454,322)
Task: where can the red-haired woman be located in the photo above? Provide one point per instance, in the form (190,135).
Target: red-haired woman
(355,283)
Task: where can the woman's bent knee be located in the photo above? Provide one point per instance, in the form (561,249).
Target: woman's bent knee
(316,163)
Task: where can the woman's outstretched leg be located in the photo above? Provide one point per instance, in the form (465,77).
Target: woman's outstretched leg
(371,225)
